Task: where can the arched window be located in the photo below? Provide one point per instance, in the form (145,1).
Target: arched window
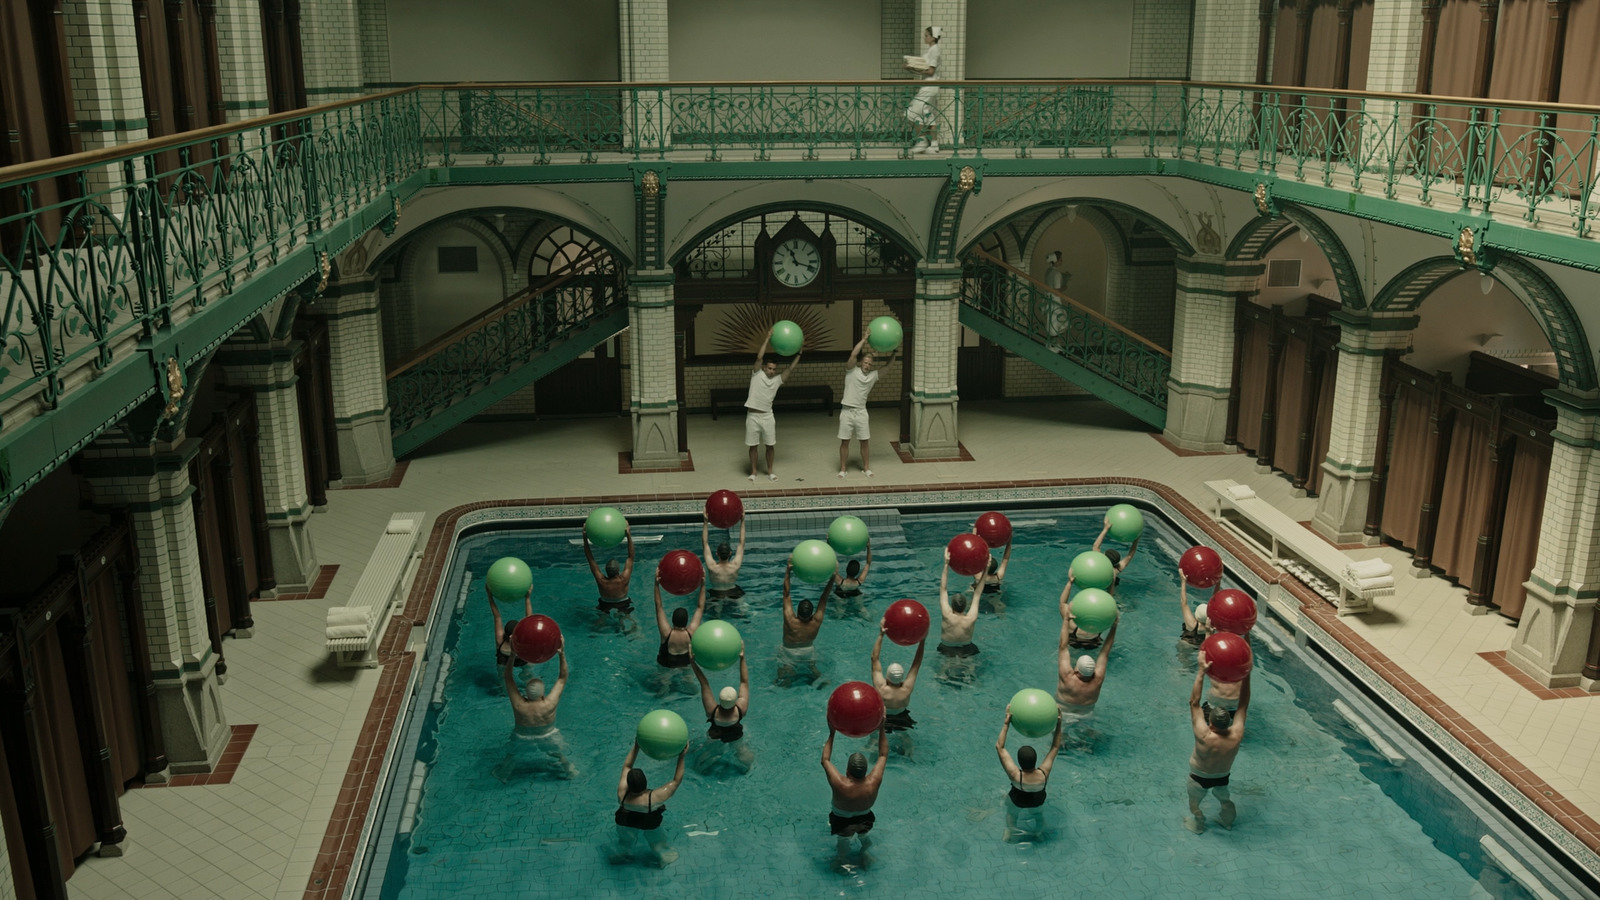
(566,250)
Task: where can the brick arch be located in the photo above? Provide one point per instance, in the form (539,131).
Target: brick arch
(1261,233)
(1543,299)
(1116,244)
(470,223)
(535,240)
(857,205)
(1038,214)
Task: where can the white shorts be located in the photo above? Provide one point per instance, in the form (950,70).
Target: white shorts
(760,428)
(921,110)
(853,422)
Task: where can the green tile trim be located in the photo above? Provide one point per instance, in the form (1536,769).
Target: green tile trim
(96,125)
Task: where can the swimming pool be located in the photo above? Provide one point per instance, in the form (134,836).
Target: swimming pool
(1322,810)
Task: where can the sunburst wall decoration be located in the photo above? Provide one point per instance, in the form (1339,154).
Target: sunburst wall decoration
(739,329)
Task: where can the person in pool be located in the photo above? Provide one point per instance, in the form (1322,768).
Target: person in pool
(503,628)
(722,570)
(895,686)
(957,615)
(854,574)
(800,626)
(1118,561)
(725,719)
(639,809)
(1078,683)
(533,709)
(994,579)
(676,632)
(1196,625)
(1217,733)
(613,583)
(854,792)
(1025,802)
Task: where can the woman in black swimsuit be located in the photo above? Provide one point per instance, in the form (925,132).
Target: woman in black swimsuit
(1025,812)
(675,635)
(503,628)
(639,810)
(725,721)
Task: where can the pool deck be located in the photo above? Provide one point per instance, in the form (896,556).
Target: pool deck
(282,822)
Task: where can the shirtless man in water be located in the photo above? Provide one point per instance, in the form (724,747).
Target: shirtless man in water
(1078,683)
(957,615)
(800,627)
(613,584)
(854,792)
(534,710)
(722,569)
(894,685)
(1217,733)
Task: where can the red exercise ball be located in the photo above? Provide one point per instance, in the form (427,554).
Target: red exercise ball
(906,622)
(536,638)
(994,528)
(855,709)
(969,554)
(724,509)
(680,572)
(1232,610)
(1229,656)
(1201,567)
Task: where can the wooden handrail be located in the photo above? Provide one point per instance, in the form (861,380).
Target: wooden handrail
(527,295)
(1068,301)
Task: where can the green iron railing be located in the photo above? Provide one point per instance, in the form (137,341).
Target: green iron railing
(105,252)
(1057,323)
(502,339)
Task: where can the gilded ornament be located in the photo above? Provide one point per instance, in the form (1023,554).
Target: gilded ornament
(1465,246)
(325,265)
(174,390)
(966,179)
(1263,205)
(650,184)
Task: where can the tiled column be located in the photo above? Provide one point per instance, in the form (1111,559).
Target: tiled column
(937,333)
(1202,348)
(1553,633)
(1223,47)
(330,50)
(150,485)
(360,388)
(268,371)
(103,58)
(642,32)
(1353,435)
(8,889)
(653,369)
(375,69)
(1154,52)
(899,36)
(241,59)
(1391,66)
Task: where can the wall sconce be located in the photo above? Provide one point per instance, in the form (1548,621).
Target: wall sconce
(1485,284)
(1072,212)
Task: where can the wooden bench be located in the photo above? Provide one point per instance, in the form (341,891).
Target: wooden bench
(1346,583)
(353,630)
(800,395)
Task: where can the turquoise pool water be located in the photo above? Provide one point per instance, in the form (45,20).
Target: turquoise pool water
(1320,812)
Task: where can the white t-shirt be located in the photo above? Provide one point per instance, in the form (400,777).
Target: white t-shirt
(762,390)
(932,56)
(857,386)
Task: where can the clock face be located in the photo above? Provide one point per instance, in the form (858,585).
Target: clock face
(796,262)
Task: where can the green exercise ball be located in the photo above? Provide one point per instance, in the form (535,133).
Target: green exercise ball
(606,527)
(848,535)
(1127,523)
(884,334)
(662,734)
(814,561)
(1094,611)
(508,578)
(716,645)
(1091,569)
(1033,712)
(787,338)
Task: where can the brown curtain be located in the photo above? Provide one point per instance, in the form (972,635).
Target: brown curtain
(208,530)
(65,782)
(1518,47)
(1574,157)
(1468,495)
(1519,534)
(1252,382)
(1360,44)
(1291,404)
(1455,60)
(36,112)
(242,504)
(1319,439)
(11,818)
(1321,63)
(1285,37)
(118,714)
(1404,485)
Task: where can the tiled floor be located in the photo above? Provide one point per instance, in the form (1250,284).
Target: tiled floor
(261,834)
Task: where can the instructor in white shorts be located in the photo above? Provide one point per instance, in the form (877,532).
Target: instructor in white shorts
(759,425)
(858,382)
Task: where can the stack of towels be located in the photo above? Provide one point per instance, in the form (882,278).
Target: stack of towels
(1372,577)
(1240,492)
(348,622)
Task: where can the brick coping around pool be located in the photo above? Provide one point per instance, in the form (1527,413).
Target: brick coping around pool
(341,842)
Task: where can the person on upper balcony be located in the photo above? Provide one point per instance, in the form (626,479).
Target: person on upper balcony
(922,112)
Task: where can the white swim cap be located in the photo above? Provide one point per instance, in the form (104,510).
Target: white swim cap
(937,31)
(1086,667)
(1200,612)
(727,696)
(896,672)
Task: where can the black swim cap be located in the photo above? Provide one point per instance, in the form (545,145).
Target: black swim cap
(804,610)
(1027,759)
(1114,556)
(637,781)
(856,767)
(680,617)
(510,626)
(612,569)
(852,568)
(724,552)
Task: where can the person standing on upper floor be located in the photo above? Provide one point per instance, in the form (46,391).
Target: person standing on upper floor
(853,420)
(759,425)
(923,111)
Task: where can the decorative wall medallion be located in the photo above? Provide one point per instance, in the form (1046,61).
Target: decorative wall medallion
(174,390)
(1466,246)
(966,179)
(650,184)
(1263,202)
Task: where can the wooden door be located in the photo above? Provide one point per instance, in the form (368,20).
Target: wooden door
(313,386)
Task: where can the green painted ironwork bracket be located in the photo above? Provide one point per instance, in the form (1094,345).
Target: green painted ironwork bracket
(576,343)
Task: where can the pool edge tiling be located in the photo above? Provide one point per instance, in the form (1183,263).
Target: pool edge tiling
(1562,823)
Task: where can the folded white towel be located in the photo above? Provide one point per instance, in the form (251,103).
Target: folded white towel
(1372,584)
(401,526)
(1370,568)
(1241,492)
(347,631)
(348,615)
